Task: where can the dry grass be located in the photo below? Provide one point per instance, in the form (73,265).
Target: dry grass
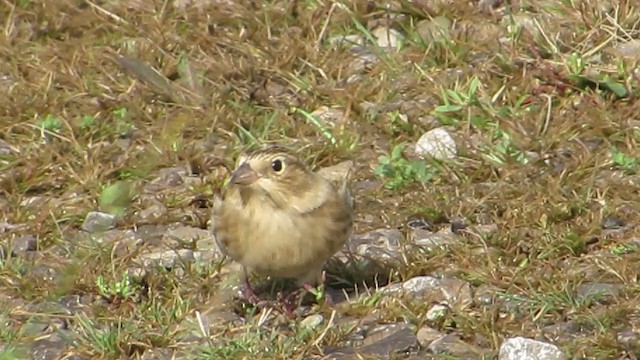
(546,155)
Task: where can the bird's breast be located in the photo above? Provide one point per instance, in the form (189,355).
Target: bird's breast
(272,241)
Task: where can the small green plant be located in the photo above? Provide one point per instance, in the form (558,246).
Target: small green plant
(626,163)
(87,122)
(575,64)
(49,126)
(100,339)
(456,101)
(399,172)
(123,121)
(122,289)
(504,150)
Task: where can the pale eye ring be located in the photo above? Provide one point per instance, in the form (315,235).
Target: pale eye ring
(277,165)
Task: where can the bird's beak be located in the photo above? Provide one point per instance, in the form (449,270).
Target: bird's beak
(244,175)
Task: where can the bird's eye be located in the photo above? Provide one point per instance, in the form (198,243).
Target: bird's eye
(276,165)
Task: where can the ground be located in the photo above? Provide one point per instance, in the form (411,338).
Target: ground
(121,119)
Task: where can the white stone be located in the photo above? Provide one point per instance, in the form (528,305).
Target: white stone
(437,143)
(520,348)
(386,37)
(437,312)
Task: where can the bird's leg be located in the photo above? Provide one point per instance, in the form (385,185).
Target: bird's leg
(247,289)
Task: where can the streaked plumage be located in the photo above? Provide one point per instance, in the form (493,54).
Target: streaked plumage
(279,218)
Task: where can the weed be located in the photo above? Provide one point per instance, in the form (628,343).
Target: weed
(399,172)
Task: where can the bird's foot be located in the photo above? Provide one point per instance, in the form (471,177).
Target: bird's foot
(249,294)
(289,303)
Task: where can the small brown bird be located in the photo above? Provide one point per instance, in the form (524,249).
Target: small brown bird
(279,218)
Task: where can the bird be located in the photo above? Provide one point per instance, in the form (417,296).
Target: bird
(276,217)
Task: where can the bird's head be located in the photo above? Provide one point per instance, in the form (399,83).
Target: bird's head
(277,172)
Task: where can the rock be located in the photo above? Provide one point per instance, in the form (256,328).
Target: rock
(486,295)
(386,37)
(346,40)
(434,30)
(5,148)
(189,236)
(45,273)
(167,259)
(153,212)
(331,117)
(311,322)
(520,348)
(436,143)
(23,244)
(432,241)
(158,354)
(436,312)
(98,221)
(629,339)
(521,21)
(427,335)
(382,341)
(171,177)
(421,224)
(379,245)
(601,293)
(563,332)
(450,291)
(452,345)
(629,50)
(49,348)
(612,222)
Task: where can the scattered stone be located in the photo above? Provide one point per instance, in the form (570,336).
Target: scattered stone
(629,50)
(152,213)
(23,244)
(431,241)
(386,37)
(485,295)
(167,259)
(346,40)
(427,335)
(377,245)
(452,345)
(45,273)
(449,291)
(421,224)
(629,339)
(382,341)
(612,222)
(562,331)
(520,348)
(521,21)
(434,30)
(98,221)
(436,312)
(601,293)
(311,322)
(189,236)
(436,143)
(49,348)
(158,354)
(5,148)
(488,5)
(171,177)
(330,116)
